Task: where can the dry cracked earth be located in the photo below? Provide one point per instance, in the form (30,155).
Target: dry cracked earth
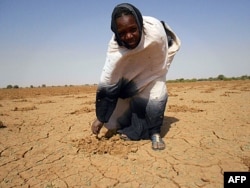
(45,139)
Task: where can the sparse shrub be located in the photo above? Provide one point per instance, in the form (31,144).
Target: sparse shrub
(9,86)
(202,79)
(244,77)
(221,77)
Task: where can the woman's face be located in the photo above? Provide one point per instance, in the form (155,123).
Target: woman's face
(128,30)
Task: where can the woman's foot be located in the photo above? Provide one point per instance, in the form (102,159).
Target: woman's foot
(124,137)
(157,142)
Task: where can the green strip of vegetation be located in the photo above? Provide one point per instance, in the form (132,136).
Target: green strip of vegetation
(220,77)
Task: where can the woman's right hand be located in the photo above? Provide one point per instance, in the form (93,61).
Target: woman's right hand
(96,126)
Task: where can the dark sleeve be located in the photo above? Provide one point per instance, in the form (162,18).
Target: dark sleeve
(169,34)
(106,99)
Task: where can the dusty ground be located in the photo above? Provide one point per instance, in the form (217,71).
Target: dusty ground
(45,139)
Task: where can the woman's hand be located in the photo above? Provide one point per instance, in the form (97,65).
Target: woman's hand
(96,126)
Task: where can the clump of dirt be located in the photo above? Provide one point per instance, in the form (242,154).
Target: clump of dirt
(21,100)
(102,145)
(246,161)
(25,108)
(92,102)
(170,94)
(2,124)
(83,110)
(209,90)
(202,101)
(183,108)
(46,102)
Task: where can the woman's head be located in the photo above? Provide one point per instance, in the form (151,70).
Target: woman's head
(127,25)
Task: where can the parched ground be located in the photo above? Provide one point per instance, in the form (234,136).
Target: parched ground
(45,139)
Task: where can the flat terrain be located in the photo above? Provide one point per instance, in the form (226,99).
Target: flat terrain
(45,139)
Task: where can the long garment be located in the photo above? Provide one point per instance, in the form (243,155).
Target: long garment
(132,94)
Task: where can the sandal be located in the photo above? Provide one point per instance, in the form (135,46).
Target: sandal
(157,142)
(124,137)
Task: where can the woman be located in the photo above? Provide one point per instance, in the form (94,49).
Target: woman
(132,96)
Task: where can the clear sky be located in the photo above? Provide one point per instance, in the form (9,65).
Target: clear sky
(64,42)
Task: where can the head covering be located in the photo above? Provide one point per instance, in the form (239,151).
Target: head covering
(135,12)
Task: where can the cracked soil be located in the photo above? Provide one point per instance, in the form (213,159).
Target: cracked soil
(45,139)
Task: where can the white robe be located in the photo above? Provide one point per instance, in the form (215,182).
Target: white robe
(132,88)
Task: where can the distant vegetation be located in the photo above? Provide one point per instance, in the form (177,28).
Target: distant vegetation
(10,86)
(220,77)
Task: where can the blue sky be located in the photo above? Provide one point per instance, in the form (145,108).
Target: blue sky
(63,42)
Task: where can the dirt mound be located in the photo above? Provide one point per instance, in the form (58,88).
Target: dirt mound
(102,145)
(183,108)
